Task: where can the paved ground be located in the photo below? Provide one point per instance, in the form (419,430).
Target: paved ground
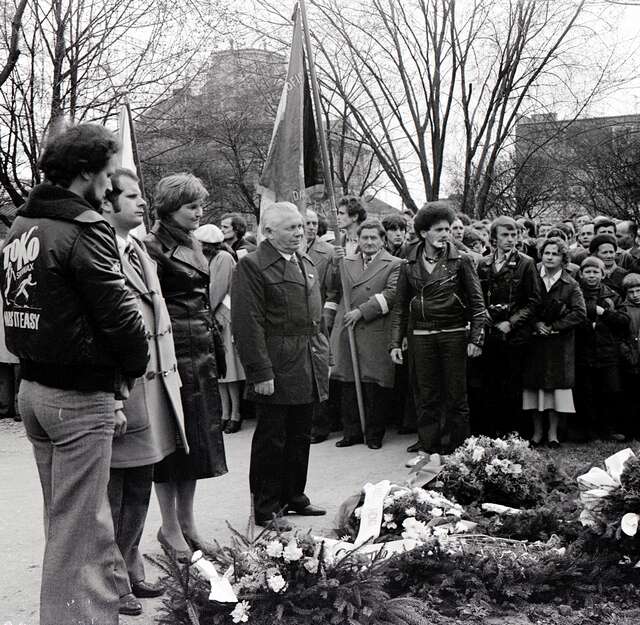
(334,474)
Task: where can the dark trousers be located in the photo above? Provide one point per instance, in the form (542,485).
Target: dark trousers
(598,405)
(129,493)
(501,365)
(440,362)
(9,383)
(280,458)
(377,405)
(403,395)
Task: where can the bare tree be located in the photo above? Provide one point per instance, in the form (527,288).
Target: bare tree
(83,57)
(13,48)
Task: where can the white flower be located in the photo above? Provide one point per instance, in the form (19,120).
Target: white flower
(240,613)
(436,512)
(441,531)
(410,511)
(415,529)
(292,553)
(311,564)
(274,549)
(357,512)
(478,454)
(388,501)
(422,496)
(455,511)
(276,583)
(489,469)
(388,517)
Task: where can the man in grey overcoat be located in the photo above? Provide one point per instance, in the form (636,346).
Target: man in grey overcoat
(275,315)
(371,274)
(149,419)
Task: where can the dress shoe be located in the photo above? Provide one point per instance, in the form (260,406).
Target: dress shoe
(553,444)
(233,426)
(130,606)
(307,511)
(182,557)
(147,590)
(223,424)
(277,524)
(348,442)
(535,444)
(374,444)
(318,438)
(417,446)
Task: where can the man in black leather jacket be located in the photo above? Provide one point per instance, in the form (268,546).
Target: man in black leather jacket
(440,311)
(77,331)
(512,291)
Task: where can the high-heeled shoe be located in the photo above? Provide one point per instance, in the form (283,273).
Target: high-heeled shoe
(200,545)
(180,556)
(233,426)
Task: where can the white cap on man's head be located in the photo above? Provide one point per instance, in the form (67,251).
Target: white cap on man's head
(209,233)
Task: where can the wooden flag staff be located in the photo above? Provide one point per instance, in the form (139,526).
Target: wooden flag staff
(326,165)
(136,160)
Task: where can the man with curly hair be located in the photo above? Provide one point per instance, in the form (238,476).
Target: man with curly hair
(81,341)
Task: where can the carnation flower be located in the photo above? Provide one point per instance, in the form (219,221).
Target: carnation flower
(436,512)
(240,613)
(311,564)
(478,454)
(410,511)
(388,521)
(276,583)
(292,553)
(415,529)
(388,501)
(274,549)
(357,512)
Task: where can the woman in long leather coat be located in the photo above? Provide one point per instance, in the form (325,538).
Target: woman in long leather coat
(184,276)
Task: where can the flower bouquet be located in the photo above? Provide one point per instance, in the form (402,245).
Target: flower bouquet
(611,497)
(497,470)
(288,579)
(400,512)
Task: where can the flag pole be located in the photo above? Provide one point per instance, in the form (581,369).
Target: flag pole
(136,160)
(328,178)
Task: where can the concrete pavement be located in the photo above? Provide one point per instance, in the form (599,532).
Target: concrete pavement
(334,475)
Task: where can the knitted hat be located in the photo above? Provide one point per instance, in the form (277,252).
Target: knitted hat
(208,233)
(593,261)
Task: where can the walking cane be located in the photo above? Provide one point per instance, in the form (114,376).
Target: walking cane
(315,90)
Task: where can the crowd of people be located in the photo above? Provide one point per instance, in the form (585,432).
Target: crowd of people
(138,354)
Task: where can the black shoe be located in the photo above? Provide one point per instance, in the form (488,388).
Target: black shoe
(277,524)
(232,426)
(348,442)
(318,438)
(535,444)
(182,557)
(199,545)
(147,590)
(374,444)
(307,511)
(130,606)
(553,444)
(417,446)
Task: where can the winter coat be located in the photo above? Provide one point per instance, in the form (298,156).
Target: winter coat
(276,312)
(154,406)
(68,315)
(184,277)
(630,347)
(321,254)
(550,360)
(598,337)
(511,294)
(372,291)
(447,298)
(614,280)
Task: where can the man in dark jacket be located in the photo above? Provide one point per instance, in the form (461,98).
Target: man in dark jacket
(275,315)
(512,292)
(234,227)
(80,338)
(438,295)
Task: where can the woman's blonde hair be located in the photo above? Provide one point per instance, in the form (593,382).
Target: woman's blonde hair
(175,191)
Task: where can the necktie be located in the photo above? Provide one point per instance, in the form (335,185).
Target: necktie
(134,260)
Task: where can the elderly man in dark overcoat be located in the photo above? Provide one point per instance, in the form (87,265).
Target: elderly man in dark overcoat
(275,315)
(370,277)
